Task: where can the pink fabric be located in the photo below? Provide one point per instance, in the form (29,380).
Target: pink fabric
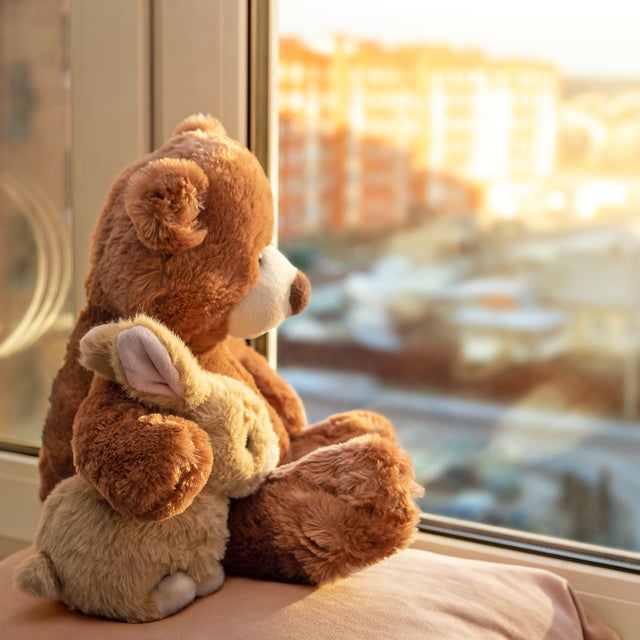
(414,595)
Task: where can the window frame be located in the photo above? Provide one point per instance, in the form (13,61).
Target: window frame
(238,62)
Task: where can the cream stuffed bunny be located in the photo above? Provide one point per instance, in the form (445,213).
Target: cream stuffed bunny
(107,564)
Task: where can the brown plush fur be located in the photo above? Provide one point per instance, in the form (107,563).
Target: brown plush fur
(185,248)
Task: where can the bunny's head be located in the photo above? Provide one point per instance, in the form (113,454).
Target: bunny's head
(156,368)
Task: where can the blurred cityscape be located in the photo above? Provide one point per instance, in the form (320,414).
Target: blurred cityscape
(470,228)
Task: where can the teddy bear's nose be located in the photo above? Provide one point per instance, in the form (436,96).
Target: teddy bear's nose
(299,294)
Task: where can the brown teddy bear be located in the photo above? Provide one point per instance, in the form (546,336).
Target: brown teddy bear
(185,237)
(96,560)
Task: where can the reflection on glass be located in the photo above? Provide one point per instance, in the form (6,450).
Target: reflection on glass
(35,232)
(469,221)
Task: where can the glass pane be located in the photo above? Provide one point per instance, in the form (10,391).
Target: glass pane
(35,231)
(461,181)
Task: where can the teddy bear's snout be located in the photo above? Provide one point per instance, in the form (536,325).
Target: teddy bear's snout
(299,294)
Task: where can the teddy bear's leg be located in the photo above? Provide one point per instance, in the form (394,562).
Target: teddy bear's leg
(326,515)
(340,427)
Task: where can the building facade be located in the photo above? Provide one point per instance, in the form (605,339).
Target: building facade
(370,137)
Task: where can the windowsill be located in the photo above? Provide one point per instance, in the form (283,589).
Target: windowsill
(9,546)
(532,544)
(19,482)
(612,594)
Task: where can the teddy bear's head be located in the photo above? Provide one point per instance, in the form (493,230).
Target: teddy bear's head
(185,236)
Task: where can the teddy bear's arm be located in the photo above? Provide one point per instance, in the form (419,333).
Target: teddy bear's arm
(145,464)
(279,394)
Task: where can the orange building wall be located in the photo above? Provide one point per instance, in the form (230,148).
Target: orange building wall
(366,131)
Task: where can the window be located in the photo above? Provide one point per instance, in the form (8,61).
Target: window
(60,68)
(78,77)
(172,59)
(493,315)
(36,232)
(476,259)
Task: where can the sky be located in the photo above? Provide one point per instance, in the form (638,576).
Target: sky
(593,38)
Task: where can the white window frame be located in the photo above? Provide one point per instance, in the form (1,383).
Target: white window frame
(146,66)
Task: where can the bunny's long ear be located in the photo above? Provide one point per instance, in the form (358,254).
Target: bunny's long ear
(147,364)
(148,360)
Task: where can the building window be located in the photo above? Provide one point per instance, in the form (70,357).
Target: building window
(474,280)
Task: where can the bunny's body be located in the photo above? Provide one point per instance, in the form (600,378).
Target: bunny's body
(115,566)
(104,563)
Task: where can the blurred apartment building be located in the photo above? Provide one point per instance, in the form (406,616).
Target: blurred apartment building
(373,137)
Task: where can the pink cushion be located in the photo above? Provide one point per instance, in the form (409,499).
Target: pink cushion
(413,595)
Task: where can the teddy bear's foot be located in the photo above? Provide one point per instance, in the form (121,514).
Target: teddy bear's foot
(333,512)
(174,593)
(340,427)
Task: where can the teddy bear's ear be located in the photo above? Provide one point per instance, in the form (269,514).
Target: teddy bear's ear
(200,122)
(163,200)
(148,360)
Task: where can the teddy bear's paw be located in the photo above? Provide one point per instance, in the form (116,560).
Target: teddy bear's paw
(168,473)
(174,593)
(340,427)
(362,470)
(349,506)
